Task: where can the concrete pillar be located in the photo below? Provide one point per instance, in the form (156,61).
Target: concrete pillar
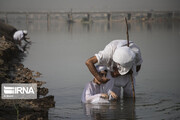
(69,16)
(48,21)
(170,15)
(88,17)
(129,16)
(109,17)
(149,16)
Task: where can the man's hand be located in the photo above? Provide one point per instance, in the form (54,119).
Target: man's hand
(104,79)
(105,96)
(27,37)
(114,95)
(96,81)
(27,40)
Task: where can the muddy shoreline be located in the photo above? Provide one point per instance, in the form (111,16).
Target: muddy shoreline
(13,71)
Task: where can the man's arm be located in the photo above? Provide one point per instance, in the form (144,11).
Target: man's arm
(90,64)
(25,39)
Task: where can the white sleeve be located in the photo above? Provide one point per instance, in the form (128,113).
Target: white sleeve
(105,55)
(15,36)
(18,35)
(90,97)
(21,36)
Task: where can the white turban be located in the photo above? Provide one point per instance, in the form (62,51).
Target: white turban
(125,57)
(25,32)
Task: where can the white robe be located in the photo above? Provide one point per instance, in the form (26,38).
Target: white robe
(105,56)
(18,35)
(92,92)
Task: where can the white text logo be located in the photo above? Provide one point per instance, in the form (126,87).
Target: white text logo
(19,91)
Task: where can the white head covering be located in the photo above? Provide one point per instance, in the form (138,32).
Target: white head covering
(100,68)
(125,57)
(25,32)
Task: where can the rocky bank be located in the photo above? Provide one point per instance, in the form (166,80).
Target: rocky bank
(12,71)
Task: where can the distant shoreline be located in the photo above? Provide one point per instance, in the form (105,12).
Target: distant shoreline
(88,17)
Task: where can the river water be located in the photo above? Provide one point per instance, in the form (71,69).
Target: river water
(60,54)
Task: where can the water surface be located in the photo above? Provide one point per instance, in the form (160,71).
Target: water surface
(60,54)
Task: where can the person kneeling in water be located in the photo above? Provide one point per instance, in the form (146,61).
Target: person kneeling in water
(100,93)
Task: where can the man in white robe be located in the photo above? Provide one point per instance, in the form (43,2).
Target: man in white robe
(123,62)
(20,38)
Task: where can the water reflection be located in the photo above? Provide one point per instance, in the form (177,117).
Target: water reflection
(123,109)
(149,27)
(70,26)
(87,26)
(109,25)
(55,25)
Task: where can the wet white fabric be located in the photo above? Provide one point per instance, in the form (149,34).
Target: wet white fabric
(92,92)
(105,57)
(18,35)
(124,82)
